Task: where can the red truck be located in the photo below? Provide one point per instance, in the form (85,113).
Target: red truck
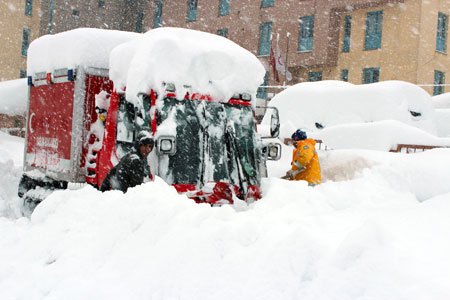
(208,149)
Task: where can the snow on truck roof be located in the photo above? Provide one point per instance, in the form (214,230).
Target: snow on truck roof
(89,47)
(13,97)
(192,60)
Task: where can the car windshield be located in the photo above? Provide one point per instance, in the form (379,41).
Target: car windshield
(215,142)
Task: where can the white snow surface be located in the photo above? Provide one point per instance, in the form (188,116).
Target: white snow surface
(441,101)
(194,61)
(86,47)
(377,228)
(13,97)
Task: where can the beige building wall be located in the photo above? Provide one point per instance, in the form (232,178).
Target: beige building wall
(13,21)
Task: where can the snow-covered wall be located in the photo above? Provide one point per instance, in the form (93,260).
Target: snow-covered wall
(89,47)
(207,63)
(13,97)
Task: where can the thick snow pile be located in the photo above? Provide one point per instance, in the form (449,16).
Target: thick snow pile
(331,103)
(381,135)
(441,101)
(377,228)
(194,61)
(13,97)
(88,47)
(442,119)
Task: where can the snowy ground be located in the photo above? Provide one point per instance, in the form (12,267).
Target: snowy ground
(377,228)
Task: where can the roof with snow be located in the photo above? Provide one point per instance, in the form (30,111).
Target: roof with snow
(192,60)
(89,47)
(13,97)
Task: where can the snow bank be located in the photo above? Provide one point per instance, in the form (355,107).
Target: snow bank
(79,47)
(442,120)
(377,228)
(194,61)
(13,97)
(331,103)
(441,101)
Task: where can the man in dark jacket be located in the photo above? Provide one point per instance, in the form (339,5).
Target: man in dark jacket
(130,171)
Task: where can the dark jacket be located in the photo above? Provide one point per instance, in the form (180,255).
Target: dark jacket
(129,172)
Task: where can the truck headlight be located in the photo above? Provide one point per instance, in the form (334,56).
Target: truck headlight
(167,145)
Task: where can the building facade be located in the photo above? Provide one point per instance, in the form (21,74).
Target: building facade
(19,26)
(360,41)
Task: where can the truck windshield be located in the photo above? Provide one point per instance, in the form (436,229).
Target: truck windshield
(215,142)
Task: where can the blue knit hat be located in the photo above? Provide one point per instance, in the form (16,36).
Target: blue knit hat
(299,135)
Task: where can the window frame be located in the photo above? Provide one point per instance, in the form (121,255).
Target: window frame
(441,34)
(439,79)
(261,92)
(223,32)
(28,7)
(157,14)
(344,75)
(267,3)
(374,30)
(265,32)
(306,34)
(314,76)
(372,72)
(224,8)
(192,11)
(25,41)
(347,34)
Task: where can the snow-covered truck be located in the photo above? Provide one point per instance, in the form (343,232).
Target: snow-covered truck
(91,91)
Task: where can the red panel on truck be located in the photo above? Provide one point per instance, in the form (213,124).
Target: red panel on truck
(50,126)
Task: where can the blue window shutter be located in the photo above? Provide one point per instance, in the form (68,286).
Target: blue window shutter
(438,81)
(192,10)
(344,75)
(265,31)
(374,28)
(28,7)
(157,20)
(25,41)
(441,39)
(224,7)
(315,76)
(371,75)
(262,91)
(347,33)
(267,3)
(139,20)
(223,32)
(306,34)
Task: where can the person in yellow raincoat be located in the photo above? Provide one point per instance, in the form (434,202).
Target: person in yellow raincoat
(305,161)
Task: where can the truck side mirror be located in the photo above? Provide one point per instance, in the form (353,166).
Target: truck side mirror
(275,123)
(166,145)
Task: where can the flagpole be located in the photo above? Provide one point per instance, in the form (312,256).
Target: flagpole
(287,51)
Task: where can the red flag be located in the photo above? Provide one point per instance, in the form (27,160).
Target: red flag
(273,63)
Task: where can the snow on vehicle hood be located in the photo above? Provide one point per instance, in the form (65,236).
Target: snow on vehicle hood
(79,47)
(192,60)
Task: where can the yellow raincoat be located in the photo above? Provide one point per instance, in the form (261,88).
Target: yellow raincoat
(305,163)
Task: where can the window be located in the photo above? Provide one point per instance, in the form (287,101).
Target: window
(441,33)
(223,32)
(374,26)
(101,3)
(25,41)
(157,20)
(371,75)
(306,34)
(438,83)
(315,76)
(262,91)
(192,10)
(265,31)
(139,18)
(347,33)
(75,12)
(267,3)
(344,75)
(224,7)
(23,74)
(28,7)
